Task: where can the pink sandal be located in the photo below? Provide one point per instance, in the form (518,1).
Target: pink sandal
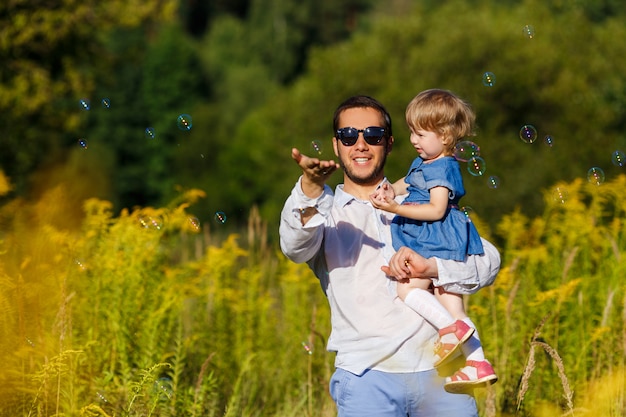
(460,331)
(463,380)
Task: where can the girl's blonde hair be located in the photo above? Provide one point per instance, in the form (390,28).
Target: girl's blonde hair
(444,113)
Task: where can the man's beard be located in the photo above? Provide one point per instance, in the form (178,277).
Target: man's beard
(373,176)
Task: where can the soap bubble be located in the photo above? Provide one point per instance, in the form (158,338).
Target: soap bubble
(220,217)
(493,182)
(316,147)
(476,166)
(184,122)
(560,195)
(101,397)
(467,210)
(150,133)
(308,349)
(618,158)
(529,31)
(548,140)
(106,103)
(466,150)
(164,386)
(84,104)
(595,176)
(489,79)
(149,222)
(83,143)
(528,133)
(80,264)
(194,224)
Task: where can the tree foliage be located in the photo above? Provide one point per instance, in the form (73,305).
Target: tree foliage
(48,53)
(564,81)
(266,76)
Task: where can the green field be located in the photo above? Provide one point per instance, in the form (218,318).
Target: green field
(151,314)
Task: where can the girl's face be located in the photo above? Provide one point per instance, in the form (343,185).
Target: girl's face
(429,145)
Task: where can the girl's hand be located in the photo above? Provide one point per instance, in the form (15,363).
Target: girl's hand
(384,198)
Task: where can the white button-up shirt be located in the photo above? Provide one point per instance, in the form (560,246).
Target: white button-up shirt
(345,244)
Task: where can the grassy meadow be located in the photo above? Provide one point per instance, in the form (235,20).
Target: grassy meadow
(148,313)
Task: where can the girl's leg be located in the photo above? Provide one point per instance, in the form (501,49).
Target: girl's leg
(477,371)
(453,333)
(472,349)
(416,295)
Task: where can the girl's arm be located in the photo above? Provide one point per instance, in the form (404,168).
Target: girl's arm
(434,210)
(384,197)
(400,187)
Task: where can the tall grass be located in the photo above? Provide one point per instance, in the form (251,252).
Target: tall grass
(147,313)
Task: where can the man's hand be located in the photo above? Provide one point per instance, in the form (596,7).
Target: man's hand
(406,263)
(315,172)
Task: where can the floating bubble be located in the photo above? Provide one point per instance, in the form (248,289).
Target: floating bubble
(467,210)
(83,143)
(101,397)
(149,222)
(30,342)
(528,133)
(476,166)
(80,264)
(106,103)
(493,182)
(84,104)
(466,150)
(195,224)
(548,140)
(307,348)
(595,176)
(220,217)
(618,158)
(150,133)
(560,195)
(164,386)
(489,79)
(316,147)
(529,31)
(184,122)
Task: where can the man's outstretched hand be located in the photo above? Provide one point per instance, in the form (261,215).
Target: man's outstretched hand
(315,172)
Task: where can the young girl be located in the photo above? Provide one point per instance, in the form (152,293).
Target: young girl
(429,222)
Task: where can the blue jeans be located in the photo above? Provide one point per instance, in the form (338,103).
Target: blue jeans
(382,394)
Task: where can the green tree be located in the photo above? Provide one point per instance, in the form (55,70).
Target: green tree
(152,83)
(573,92)
(48,54)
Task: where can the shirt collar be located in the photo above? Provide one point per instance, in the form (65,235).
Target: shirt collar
(342,198)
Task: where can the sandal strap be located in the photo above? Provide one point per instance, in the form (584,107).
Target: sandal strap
(459,376)
(442,349)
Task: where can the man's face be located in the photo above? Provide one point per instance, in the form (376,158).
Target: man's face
(362,163)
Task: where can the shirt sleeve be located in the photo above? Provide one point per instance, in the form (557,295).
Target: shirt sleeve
(299,242)
(445,172)
(484,267)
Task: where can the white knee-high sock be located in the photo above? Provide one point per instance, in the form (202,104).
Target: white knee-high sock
(427,306)
(472,349)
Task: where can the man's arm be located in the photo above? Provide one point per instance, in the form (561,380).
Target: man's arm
(406,263)
(303,215)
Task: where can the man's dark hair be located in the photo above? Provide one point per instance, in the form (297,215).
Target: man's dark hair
(363,102)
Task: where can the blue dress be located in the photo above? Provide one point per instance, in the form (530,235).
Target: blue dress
(452,237)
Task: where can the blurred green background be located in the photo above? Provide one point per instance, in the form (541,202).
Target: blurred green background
(259,77)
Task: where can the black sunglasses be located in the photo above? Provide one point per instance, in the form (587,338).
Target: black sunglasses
(349,135)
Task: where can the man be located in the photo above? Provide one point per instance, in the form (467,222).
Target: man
(384,350)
